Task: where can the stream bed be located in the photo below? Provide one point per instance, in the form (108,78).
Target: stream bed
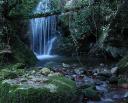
(96,78)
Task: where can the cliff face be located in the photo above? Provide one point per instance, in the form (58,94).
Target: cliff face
(12,47)
(117,40)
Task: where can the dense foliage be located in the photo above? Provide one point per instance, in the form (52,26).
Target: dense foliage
(10,40)
(91,22)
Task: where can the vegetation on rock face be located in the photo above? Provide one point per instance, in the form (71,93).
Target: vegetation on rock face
(89,25)
(117,40)
(82,25)
(10,32)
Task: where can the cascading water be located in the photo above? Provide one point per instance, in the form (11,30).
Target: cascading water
(43,31)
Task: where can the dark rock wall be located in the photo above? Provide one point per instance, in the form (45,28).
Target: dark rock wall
(117,40)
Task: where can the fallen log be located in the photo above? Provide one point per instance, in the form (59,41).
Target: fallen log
(50,13)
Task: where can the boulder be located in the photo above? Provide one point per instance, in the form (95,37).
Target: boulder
(91,93)
(54,74)
(65,65)
(56,90)
(114,70)
(19,66)
(9,72)
(105,74)
(79,71)
(45,71)
(113,80)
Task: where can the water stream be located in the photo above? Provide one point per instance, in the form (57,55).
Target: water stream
(43,31)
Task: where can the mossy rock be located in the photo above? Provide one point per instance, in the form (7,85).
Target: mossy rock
(91,93)
(123,65)
(10,74)
(12,71)
(45,71)
(21,53)
(19,66)
(55,90)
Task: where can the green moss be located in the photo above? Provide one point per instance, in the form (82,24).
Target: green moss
(10,74)
(19,66)
(64,84)
(123,65)
(14,93)
(11,71)
(91,93)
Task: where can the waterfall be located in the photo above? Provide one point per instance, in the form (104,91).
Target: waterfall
(43,30)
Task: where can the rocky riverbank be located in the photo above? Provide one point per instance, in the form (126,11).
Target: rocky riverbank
(65,82)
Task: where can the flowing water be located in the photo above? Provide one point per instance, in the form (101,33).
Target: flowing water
(43,31)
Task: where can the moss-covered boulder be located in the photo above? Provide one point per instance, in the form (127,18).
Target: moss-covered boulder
(91,93)
(45,71)
(56,89)
(11,71)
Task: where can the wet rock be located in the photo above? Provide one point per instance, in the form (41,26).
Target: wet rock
(126,95)
(98,82)
(74,66)
(79,70)
(45,71)
(70,77)
(19,66)
(62,71)
(79,79)
(114,70)
(102,65)
(89,73)
(23,80)
(54,74)
(102,88)
(65,65)
(116,96)
(84,81)
(113,80)
(105,73)
(96,70)
(107,100)
(102,78)
(88,80)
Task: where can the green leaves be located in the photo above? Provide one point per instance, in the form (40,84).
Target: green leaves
(25,7)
